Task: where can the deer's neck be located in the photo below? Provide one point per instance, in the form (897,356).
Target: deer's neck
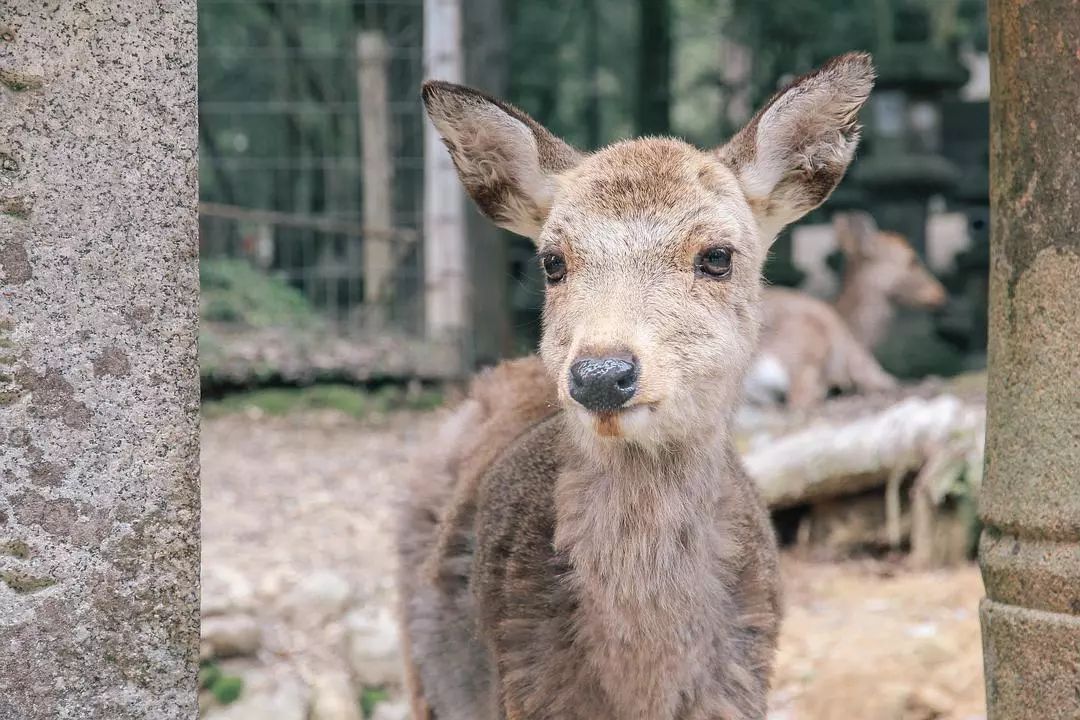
(652,554)
(865,308)
(640,531)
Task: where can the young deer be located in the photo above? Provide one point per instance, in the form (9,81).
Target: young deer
(584,544)
(881,271)
(809,347)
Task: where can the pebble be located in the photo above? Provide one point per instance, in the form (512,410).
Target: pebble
(374,647)
(397,710)
(319,596)
(226,636)
(334,698)
(265,697)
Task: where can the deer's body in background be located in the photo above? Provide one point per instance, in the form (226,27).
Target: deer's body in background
(583,543)
(809,346)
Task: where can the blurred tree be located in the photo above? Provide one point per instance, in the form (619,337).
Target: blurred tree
(654,67)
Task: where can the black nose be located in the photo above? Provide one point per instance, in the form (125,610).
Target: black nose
(603,384)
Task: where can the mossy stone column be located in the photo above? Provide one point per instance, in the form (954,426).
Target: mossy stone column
(99,386)
(1030,549)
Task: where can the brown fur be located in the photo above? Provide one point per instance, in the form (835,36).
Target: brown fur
(818,346)
(557,563)
(881,271)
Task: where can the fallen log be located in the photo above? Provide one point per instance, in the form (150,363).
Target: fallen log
(829,458)
(847,448)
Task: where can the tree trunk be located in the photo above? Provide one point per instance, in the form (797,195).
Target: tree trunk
(590,115)
(654,67)
(99,384)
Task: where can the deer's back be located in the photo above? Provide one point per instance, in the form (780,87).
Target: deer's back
(447,664)
(803,334)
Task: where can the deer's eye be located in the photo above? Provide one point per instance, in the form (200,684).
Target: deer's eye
(554,267)
(714,262)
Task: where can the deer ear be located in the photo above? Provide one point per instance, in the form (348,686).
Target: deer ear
(507,161)
(794,151)
(856,233)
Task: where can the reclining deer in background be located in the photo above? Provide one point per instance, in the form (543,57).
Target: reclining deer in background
(584,543)
(809,346)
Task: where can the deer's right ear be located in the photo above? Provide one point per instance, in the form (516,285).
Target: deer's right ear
(507,161)
(796,149)
(856,233)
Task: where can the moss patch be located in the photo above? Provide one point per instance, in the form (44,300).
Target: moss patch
(370,697)
(14,548)
(23,582)
(225,688)
(19,81)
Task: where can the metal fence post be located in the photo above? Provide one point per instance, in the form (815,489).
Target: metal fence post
(1030,550)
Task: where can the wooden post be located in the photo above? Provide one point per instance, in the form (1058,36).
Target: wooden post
(446,293)
(99,377)
(372,56)
(1030,501)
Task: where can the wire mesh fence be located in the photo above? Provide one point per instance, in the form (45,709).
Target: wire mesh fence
(312,154)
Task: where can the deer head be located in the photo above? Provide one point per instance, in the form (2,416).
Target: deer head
(653,249)
(885,263)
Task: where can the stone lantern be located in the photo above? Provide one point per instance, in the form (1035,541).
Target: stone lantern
(902,166)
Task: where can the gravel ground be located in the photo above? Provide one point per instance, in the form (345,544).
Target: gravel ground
(296,536)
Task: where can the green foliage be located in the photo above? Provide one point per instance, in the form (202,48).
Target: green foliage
(225,688)
(370,697)
(209,673)
(355,402)
(235,292)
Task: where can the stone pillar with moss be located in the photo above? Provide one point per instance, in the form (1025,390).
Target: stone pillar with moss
(1030,549)
(99,387)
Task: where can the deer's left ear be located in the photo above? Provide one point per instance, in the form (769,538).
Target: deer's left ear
(793,153)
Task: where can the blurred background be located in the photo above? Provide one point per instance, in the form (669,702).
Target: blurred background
(313,168)
(348,289)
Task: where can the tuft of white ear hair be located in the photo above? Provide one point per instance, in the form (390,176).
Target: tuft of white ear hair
(796,149)
(506,160)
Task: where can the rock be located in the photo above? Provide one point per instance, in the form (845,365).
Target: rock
(928,703)
(397,710)
(266,697)
(225,636)
(334,698)
(225,590)
(319,596)
(374,650)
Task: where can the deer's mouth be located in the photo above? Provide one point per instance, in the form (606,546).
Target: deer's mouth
(631,421)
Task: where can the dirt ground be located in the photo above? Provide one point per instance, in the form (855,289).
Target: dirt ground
(286,498)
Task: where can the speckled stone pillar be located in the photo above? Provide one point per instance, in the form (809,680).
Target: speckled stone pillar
(1030,550)
(99,386)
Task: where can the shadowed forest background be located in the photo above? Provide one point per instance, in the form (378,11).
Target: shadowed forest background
(326,350)
(282,131)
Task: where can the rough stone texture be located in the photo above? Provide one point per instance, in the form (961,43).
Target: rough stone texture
(98,375)
(1030,551)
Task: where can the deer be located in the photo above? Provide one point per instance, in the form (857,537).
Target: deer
(581,541)
(810,347)
(881,272)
